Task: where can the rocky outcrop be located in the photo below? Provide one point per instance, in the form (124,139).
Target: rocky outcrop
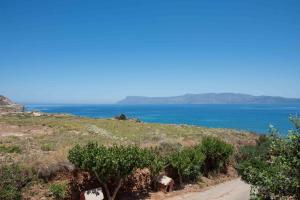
(7,106)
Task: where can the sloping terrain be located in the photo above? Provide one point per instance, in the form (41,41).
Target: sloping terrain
(42,141)
(6,105)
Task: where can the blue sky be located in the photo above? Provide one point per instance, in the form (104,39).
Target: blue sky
(61,51)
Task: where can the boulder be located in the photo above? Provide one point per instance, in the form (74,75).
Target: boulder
(165,183)
(93,194)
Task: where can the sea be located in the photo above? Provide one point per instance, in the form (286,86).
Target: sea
(254,118)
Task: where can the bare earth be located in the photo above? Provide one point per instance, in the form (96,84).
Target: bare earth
(231,190)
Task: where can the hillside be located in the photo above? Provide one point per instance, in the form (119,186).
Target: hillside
(6,105)
(41,142)
(210,98)
(52,135)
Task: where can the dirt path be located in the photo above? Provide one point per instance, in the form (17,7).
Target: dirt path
(231,190)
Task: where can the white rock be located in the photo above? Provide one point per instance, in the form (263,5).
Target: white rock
(165,180)
(36,114)
(94,194)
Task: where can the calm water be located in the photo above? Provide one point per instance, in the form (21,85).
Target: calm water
(255,118)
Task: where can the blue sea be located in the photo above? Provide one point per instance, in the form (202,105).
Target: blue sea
(256,118)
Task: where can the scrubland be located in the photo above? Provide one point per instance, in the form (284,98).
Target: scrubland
(40,143)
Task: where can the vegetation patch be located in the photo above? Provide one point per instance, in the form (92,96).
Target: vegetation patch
(10,149)
(58,190)
(188,163)
(47,147)
(12,179)
(272,167)
(217,154)
(156,147)
(110,164)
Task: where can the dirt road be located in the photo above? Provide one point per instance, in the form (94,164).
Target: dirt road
(231,190)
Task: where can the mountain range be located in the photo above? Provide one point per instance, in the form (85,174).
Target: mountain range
(210,98)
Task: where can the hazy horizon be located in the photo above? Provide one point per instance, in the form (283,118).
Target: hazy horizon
(114,102)
(101,52)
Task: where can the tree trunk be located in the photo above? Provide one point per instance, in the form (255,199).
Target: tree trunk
(107,192)
(180,179)
(116,190)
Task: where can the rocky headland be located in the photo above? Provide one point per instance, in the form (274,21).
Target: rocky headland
(8,106)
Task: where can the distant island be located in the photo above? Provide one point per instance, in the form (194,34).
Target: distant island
(210,98)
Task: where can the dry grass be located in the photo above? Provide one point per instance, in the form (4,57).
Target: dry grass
(43,142)
(47,139)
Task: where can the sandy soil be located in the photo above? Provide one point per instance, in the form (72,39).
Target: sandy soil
(14,130)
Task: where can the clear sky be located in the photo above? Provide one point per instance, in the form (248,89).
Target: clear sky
(58,51)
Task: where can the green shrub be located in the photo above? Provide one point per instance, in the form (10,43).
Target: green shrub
(58,190)
(274,172)
(10,192)
(217,154)
(154,161)
(110,164)
(12,179)
(10,149)
(188,163)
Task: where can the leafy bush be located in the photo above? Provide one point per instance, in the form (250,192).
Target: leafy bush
(10,149)
(12,179)
(275,173)
(217,154)
(155,162)
(110,164)
(188,163)
(58,190)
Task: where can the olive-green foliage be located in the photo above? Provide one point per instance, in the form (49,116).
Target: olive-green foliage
(251,151)
(111,164)
(188,162)
(217,154)
(58,190)
(10,149)
(10,192)
(155,162)
(12,179)
(274,171)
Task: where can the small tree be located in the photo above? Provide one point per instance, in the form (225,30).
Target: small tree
(109,164)
(188,163)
